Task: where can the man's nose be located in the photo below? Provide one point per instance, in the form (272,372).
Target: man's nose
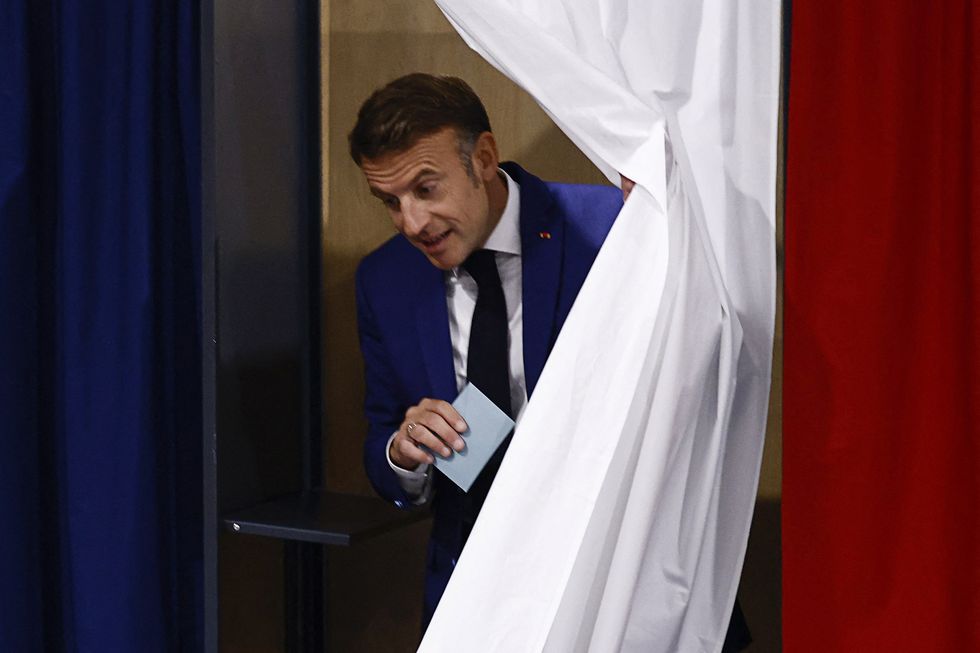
(414,219)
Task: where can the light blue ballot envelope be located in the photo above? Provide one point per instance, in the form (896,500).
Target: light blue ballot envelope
(488,427)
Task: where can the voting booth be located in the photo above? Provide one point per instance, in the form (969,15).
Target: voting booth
(300,554)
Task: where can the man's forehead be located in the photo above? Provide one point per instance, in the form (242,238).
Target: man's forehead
(429,155)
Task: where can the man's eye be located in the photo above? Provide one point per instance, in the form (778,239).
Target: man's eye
(390,203)
(426,189)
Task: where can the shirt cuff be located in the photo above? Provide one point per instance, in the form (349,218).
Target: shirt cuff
(416,482)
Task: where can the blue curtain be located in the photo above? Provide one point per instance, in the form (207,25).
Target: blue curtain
(100,392)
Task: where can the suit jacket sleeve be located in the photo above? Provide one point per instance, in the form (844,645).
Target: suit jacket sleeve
(382,406)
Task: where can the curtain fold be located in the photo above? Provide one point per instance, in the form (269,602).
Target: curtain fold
(619,517)
(881,498)
(100,336)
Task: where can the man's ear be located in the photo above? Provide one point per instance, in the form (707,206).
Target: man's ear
(485,156)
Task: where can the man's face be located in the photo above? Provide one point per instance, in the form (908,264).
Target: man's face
(431,198)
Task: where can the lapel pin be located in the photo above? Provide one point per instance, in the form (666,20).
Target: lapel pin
(544,235)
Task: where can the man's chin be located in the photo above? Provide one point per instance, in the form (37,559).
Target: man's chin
(443,262)
(445,259)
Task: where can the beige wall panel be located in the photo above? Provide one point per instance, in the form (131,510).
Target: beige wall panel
(252,603)
(380,16)
(771,477)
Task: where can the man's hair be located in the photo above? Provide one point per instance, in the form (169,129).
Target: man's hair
(406,109)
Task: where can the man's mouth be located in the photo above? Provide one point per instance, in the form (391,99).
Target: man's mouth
(433,243)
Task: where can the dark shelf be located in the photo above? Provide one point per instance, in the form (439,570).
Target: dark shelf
(321,517)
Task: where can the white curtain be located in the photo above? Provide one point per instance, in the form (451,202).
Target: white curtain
(619,518)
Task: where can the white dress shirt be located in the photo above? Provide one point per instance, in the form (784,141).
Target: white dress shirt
(461,292)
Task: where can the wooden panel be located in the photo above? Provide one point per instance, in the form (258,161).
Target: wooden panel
(380,16)
(252,606)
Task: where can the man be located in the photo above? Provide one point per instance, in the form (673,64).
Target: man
(475,288)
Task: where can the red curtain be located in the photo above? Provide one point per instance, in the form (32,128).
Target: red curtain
(881,498)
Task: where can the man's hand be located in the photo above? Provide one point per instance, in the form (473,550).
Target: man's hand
(627,185)
(432,422)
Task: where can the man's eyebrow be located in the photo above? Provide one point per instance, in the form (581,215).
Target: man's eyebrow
(423,173)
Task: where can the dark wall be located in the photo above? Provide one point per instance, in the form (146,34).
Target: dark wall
(261,208)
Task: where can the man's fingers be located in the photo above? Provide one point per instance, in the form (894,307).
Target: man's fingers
(422,435)
(437,424)
(446,411)
(433,423)
(406,450)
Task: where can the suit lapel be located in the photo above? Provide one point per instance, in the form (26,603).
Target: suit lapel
(432,327)
(542,232)
(541,256)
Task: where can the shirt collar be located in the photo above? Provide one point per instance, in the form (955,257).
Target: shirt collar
(506,236)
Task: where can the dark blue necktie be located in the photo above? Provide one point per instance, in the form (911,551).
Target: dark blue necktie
(487,365)
(487,357)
